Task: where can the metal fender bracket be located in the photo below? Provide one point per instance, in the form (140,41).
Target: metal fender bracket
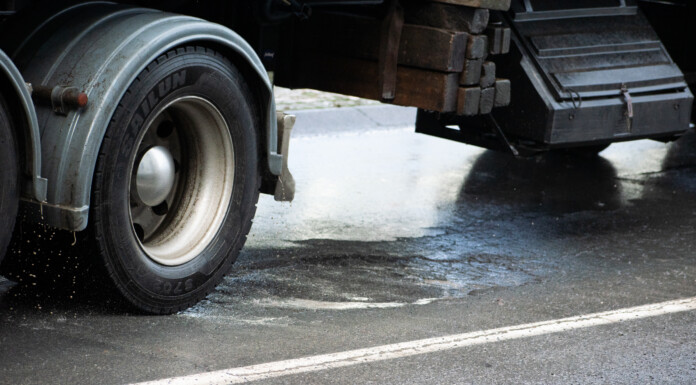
(62,99)
(285,188)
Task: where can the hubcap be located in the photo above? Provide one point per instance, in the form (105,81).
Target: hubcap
(181,180)
(155,177)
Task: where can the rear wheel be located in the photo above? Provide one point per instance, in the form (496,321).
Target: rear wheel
(177,181)
(9,182)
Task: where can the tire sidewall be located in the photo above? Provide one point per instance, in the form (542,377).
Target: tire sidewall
(213,79)
(9,182)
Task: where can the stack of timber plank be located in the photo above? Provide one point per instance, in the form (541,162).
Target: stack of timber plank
(441,56)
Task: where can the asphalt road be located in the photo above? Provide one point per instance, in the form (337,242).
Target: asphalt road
(395,237)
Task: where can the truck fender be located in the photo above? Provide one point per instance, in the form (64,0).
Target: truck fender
(100,48)
(18,93)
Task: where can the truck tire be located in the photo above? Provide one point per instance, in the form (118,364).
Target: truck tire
(176,181)
(9,178)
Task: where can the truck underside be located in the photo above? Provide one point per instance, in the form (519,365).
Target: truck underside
(581,73)
(550,75)
(103,104)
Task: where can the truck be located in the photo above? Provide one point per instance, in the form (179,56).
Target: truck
(147,129)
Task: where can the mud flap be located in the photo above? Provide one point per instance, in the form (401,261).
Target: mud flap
(285,188)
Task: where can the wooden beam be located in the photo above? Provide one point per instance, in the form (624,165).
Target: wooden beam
(433,48)
(420,46)
(388,57)
(435,91)
(502,93)
(498,40)
(488,74)
(498,5)
(446,16)
(468,101)
(471,74)
(430,90)
(487,100)
(477,48)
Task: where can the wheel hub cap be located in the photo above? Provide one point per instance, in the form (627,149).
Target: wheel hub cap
(181,181)
(156,174)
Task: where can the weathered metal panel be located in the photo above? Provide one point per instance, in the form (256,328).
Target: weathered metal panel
(590,75)
(653,116)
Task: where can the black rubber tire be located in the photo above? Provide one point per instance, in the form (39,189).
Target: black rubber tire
(9,178)
(150,286)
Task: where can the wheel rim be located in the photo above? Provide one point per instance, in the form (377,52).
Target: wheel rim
(181,180)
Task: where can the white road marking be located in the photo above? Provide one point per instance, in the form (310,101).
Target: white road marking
(430,345)
(298,303)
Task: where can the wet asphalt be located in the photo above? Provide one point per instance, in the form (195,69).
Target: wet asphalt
(395,236)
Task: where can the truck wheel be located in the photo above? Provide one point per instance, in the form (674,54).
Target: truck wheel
(9,186)
(177,181)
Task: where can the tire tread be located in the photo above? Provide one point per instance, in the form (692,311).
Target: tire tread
(106,270)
